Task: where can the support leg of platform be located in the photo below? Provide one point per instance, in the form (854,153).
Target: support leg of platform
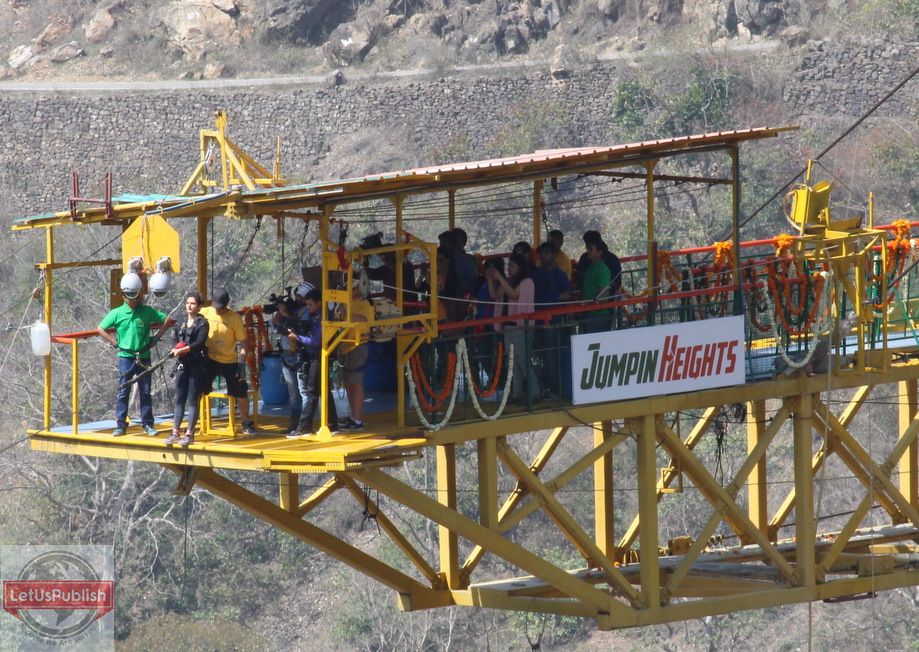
(289,492)
(647,512)
(757,504)
(446,496)
(804,491)
(909,463)
(604,527)
(488,482)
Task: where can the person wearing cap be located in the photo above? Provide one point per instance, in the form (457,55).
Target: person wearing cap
(226,349)
(132,321)
(284,320)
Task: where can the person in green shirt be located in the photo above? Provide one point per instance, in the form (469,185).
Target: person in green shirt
(132,321)
(595,287)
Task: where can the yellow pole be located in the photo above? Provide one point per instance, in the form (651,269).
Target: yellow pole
(324,353)
(203,262)
(488,482)
(909,463)
(289,491)
(49,259)
(604,526)
(757,504)
(537,212)
(446,496)
(400,254)
(649,191)
(805,530)
(75,385)
(649,569)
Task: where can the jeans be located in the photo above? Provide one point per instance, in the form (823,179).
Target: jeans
(127,369)
(523,384)
(310,385)
(190,383)
(293,390)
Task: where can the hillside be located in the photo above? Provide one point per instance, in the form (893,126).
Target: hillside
(196,574)
(216,38)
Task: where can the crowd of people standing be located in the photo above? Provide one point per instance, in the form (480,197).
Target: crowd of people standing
(210,342)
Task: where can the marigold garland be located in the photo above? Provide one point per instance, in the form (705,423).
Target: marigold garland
(493,384)
(438,398)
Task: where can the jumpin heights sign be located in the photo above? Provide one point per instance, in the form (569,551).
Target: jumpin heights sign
(666,359)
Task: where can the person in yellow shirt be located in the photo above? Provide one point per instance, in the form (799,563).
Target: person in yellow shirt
(226,349)
(557,239)
(352,361)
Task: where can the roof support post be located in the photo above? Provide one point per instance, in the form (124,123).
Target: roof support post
(451,204)
(735,228)
(537,212)
(400,254)
(651,242)
(203,262)
(49,259)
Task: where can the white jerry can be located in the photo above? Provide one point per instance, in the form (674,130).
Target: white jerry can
(41,338)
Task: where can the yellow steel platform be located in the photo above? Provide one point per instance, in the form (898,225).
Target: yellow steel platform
(270,450)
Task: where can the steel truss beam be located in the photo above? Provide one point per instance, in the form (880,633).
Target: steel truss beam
(634,580)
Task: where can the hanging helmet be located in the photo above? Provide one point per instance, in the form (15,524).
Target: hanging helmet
(160,283)
(131,285)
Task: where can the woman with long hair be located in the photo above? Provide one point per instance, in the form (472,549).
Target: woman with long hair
(518,291)
(191,369)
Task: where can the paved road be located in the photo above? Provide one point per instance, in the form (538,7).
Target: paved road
(307,80)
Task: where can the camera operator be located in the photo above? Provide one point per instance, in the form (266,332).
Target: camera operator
(286,313)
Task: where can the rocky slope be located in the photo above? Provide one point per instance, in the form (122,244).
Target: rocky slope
(214,38)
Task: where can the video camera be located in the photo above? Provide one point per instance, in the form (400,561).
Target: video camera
(275,300)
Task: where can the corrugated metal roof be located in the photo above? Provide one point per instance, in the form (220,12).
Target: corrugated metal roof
(539,164)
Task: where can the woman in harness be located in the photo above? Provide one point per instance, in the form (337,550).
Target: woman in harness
(191,373)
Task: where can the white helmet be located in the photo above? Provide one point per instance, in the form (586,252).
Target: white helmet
(160,283)
(131,285)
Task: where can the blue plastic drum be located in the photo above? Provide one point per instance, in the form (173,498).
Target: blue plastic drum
(273,388)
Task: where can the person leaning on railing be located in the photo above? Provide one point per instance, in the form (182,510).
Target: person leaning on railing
(132,321)
(551,288)
(518,290)
(595,287)
(191,373)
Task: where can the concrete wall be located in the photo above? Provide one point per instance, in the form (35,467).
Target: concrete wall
(149,139)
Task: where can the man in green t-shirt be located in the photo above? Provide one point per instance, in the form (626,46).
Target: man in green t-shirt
(595,287)
(132,321)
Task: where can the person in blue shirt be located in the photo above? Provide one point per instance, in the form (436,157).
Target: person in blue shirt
(308,339)
(551,288)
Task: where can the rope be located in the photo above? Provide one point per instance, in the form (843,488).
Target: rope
(16,333)
(370,514)
(828,148)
